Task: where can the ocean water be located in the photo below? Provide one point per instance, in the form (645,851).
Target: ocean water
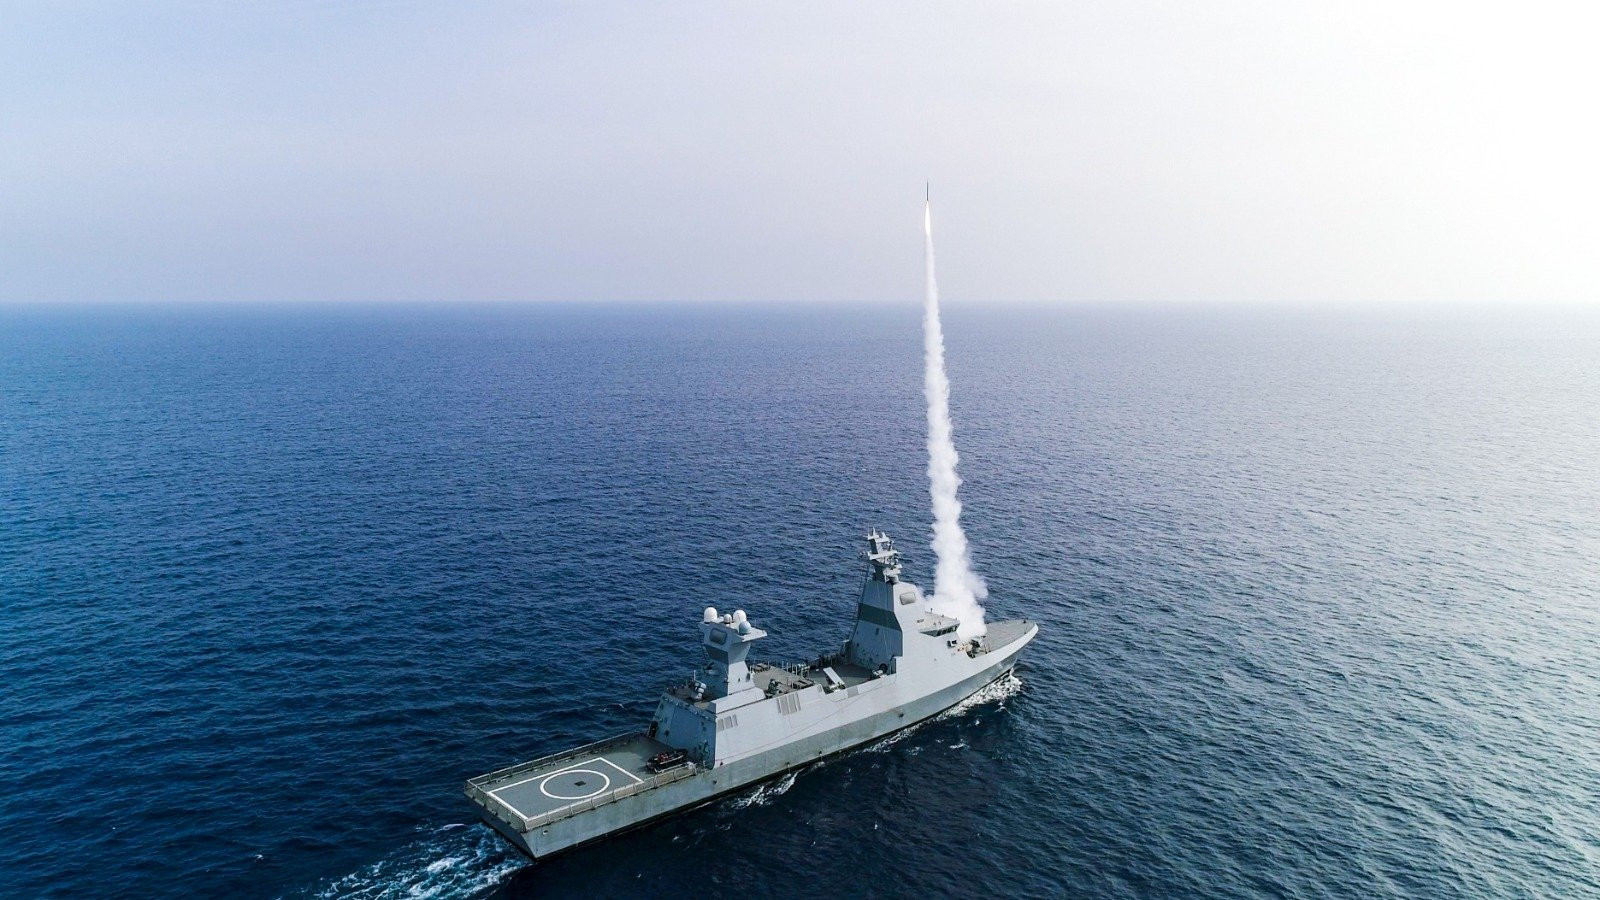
(1320,596)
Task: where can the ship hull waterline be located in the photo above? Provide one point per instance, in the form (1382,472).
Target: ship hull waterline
(709,785)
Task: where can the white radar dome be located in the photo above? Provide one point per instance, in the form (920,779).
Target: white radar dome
(738,616)
(711,614)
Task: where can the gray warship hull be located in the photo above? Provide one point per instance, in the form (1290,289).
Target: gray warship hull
(753,721)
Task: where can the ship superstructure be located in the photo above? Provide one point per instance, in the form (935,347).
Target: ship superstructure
(735,722)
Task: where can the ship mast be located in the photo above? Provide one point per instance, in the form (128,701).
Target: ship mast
(884,557)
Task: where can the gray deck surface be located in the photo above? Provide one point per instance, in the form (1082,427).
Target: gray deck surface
(763,674)
(570,779)
(592,773)
(1002,633)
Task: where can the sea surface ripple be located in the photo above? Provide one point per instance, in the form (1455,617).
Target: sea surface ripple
(1320,596)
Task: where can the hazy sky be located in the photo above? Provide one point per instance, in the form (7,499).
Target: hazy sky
(1106,152)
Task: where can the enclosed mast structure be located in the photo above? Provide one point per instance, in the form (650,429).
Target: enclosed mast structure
(734,722)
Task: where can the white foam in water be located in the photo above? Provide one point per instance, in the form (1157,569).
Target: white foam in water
(957,589)
(453,861)
(765,794)
(884,745)
(460,860)
(1000,691)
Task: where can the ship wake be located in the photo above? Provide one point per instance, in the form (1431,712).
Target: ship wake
(451,861)
(998,692)
(765,793)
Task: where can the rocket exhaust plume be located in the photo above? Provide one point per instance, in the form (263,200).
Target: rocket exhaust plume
(957,589)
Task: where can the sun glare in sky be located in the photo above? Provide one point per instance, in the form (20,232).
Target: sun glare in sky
(1256,152)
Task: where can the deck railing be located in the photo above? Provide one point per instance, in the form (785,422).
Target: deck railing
(479,788)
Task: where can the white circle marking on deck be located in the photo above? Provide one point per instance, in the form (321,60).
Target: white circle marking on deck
(605,783)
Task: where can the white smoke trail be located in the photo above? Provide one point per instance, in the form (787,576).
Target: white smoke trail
(956,588)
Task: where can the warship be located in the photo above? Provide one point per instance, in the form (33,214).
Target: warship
(735,722)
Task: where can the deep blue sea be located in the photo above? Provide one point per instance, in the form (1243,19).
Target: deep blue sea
(1319,594)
